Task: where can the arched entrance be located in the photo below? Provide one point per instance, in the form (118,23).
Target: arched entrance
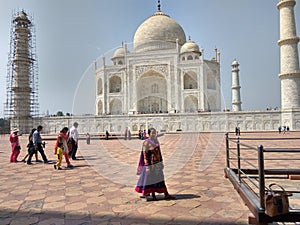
(115,107)
(152,93)
(190,104)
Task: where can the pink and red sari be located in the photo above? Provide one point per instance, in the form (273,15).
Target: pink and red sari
(150,169)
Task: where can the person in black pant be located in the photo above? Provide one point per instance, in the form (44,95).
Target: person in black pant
(106,135)
(74,140)
(37,145)
(31,148)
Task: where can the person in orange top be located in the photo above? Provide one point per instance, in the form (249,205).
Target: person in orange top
(63,138)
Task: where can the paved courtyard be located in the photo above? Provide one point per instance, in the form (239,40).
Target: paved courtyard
(100,188)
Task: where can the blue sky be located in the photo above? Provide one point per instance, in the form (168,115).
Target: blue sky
(71,34)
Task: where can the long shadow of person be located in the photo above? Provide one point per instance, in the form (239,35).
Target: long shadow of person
(178,197)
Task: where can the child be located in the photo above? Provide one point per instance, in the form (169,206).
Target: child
(59,153)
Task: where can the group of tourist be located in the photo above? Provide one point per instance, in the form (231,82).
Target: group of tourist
(283,129)
(35,144)
(142,134)
(150,166)
(66,145)
(127,134)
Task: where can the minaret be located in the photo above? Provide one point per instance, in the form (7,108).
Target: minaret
(22,93)
(289,59)
(236,95)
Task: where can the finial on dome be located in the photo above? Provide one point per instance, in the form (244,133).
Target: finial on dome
(158,5)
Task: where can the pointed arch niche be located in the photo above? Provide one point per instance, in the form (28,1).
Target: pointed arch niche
(190,80)
(99,87)
(211,81)
(191,104)
(152,93)
(115,107)
(115,83)
(100,107)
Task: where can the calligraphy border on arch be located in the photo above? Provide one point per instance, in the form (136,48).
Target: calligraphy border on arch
(160,68)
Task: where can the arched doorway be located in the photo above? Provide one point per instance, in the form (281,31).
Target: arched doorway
(152,93)
(100,107)
(191,104)
(115,107)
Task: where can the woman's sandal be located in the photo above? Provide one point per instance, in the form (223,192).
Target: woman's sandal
(154,199)
(151,199)
(144,196)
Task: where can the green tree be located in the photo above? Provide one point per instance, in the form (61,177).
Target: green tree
(59,113)
(4,126)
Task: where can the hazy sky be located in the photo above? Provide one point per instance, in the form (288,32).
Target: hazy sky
(71,34)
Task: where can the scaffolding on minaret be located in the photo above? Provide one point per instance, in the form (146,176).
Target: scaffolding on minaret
(22,74)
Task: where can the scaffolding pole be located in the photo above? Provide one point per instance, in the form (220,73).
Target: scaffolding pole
(21,104)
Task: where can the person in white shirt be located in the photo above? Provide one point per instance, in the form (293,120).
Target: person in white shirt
(74,140)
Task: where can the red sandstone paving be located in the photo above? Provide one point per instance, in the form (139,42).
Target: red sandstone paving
(86,196)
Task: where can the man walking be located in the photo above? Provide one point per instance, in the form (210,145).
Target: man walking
(74,140)
(38,145)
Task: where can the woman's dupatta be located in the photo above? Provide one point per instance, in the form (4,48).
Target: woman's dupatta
(141,163)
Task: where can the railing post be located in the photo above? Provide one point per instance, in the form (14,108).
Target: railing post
(239,158)
(261,175)
(227,151)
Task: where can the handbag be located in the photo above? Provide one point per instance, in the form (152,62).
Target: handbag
(276,201)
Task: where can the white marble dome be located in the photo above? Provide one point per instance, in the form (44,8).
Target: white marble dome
(190,46)
(235,63)
(158,32)
(120,52)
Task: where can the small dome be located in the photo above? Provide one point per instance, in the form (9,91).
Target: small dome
(158,32)
(235,63)
(190,46)
(120,52)
(22,15)
(22,19)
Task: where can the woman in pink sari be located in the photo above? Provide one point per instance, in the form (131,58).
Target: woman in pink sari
(15,145)
(151,168)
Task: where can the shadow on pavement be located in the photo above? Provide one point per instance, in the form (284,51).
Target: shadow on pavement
(30,217)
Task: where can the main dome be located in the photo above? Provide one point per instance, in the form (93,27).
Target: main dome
(158,32)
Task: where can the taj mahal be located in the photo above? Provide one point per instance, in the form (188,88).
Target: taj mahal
(165,73)
(167,83)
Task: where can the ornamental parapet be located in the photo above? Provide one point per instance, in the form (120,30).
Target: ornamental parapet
(289,75)
(235,70)
(236,103)
(284,3)
(293,40)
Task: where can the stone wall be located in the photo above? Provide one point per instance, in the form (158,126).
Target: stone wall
(268,120)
